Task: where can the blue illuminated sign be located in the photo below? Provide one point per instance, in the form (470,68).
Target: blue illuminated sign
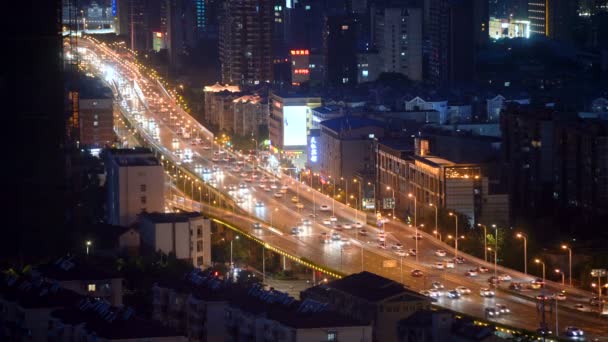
(313,150)
(114,8)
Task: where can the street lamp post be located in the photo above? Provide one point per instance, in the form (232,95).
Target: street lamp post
(456,241)
(538,261)
(485,241)
(495,247)
(88,245)
(436,216)
(356,208)
(436,232)
(495,260)
(569,263)
(525,238)
(394,203)
(231,263)
(558,271)
(415,211)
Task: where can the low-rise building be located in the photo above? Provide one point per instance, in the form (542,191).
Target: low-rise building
(346,146)
(84,278)
(434,103)
(134,183)
(250,112)
(96,104)
(219,106)
(372,299)
(496,104)
(187,235)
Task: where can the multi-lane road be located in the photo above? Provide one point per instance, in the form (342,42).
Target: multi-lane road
(261,197)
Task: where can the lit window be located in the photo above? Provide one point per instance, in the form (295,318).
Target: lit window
(91,287)
(332,336)
(95,123)
(344,27)
(307,7)
(364,73)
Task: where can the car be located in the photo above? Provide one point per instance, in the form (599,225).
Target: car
(283,189)
(448,263)
(267,189)
(401,253)
(257,225)
(278,195)
(426,293)
(573,331)
(347,226)
(486,292)
(259,204)
(326,222)
(560,296)
(300,205)
(491,312)
(411,251)
(336,236)
(306,222)
(362,232)
(494,281)
(463,290)
(324,207)
(595,301)
(459,260)
(453,294)
(440,253)
(295,199)
(242,186)
(296,231)
(544,331)
(471,273)
(273,186)
(417,273)
(515,286)
(338,227)
(437,285)
(206,147)
(504,310)
(434,293)
(438,265)
(358,225)
(542,297)
(333,219)
(537,284)
(381,237)
(417,236)
(381,245)
(482,269)
(580,307)
(504,277)
(397,246)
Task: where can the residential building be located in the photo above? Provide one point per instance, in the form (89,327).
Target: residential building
(346,146)
(552,18)
(84,278)
(182,20)
(369,66)
(135,184)
(434,103)
(443,325)
(96,104)
(186,235)
(93,319)
(392,168)
(340,49)
(371,299)
(290,120)
(320,114)
(245,39)
(495,105)
(219,105)
(300,66)
(260,315)
(398,38)
(26,305)
(250,113)
(194,305)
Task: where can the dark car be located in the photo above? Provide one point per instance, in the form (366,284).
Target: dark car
(515,286)
(417,273)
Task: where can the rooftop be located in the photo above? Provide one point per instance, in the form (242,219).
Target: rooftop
(34,292)
(170,217)
(69,268)
(372,287)
(218,87)
(350,122)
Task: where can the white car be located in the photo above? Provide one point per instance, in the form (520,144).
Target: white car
(440,253)
(574,332)
(560,296)
(357,225)
(333,219)
(504,277)
(306,222)
(347,226)
(299,205)
(398,246)
(327,222)
(259,204)
(434,293)
(278,195)
(463,290)
(401,253)
(206,147)
(324,208)
(438,265)
(485,292)
(503,309)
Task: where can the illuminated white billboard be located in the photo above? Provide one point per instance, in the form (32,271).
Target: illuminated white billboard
(294,126)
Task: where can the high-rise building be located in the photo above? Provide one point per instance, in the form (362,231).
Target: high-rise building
(552,18)
(455,29)
(133,23)
(339,49)
(398,38)
(245,42)
(181,28)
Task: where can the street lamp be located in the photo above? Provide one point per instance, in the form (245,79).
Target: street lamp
(231,264)
(523,236)
(557,270)
(356,207)
(538,261)
(456,240)
(394,203)
(88,245)
(436,211)
(485,241)
(495,258)
(410,195)
(436,232)
(569,263)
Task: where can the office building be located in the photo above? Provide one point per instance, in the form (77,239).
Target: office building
(398,38)
(186,235)
(132,22)
(552,18)
(346,146)
(135,184)
(455,30)
(219,100)
(250,113)
(96,107)
(300,66)
(509,28)
(245,42)
(290,121)
(371,299)
(369,66)
(340,49)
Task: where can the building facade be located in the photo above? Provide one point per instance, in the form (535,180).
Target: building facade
(135,184)
(219,105)
(97,120)
(250,112)
(187,235)
(290,120)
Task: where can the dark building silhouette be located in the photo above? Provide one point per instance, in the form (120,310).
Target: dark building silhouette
(340,47)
